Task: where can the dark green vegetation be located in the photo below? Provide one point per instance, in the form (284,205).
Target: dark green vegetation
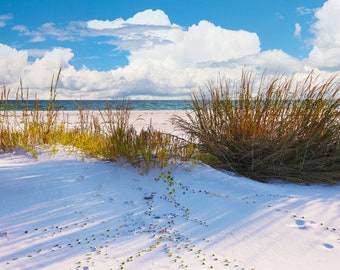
(281,128)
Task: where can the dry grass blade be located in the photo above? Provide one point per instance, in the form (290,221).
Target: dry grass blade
(109,137)
(282,129)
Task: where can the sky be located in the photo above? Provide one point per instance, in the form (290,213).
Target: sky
(161,49)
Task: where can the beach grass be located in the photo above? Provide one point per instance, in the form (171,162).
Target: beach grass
(280,129)
(108,136)
(28,128)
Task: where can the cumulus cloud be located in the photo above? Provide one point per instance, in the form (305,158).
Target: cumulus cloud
(200,43)
(326,43)
(276,61)
(170,61)
(165,59)
(147,17)
(145,29)
(12,64)
(38,74)
(151,35)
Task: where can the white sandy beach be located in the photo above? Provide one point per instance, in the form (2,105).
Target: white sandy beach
(62,212)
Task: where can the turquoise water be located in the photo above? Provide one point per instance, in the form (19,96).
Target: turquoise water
(71,105)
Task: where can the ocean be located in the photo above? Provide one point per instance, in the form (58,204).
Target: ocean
(72,105)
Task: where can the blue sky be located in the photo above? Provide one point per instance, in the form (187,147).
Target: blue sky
(111,48)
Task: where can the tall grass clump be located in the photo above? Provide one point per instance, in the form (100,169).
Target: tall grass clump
(22,127)
(145,149)
(280,128)
(110,135)
(106,134)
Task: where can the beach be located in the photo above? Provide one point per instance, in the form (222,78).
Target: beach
(139,119)
(67,211)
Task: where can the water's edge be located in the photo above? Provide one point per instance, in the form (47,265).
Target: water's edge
(72,105)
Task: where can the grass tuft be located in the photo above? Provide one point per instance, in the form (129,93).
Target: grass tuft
(107,135)
(282,128)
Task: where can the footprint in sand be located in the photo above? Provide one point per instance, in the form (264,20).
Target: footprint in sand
(130,204)
(328,246)
(301,224)
(99,187)
(81,178)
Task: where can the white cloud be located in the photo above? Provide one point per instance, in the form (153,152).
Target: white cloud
(22,29)
(200,43)
(174,67)
(12,64)
(144,29)
(297,32)
(150,34)
(275,61)
(38,38)
(4,19)
(100,25)
(150,17)
(147,17)
(51,30)
(165,60)
(326,44)
(38,74)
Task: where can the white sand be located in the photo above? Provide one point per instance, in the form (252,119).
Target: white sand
(160,120)
(64,213)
